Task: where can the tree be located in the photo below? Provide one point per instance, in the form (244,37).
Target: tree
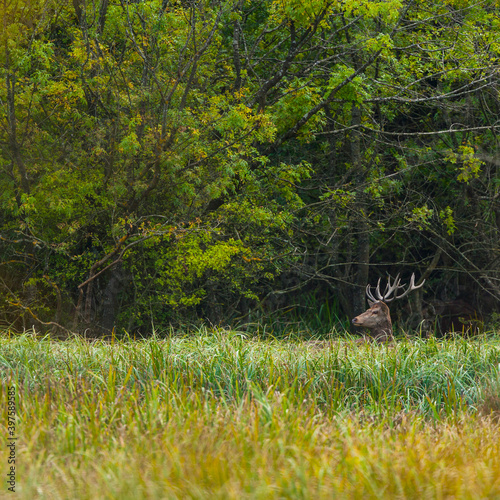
(167,160)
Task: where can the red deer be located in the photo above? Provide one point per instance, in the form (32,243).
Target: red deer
(442,317)
(377,319)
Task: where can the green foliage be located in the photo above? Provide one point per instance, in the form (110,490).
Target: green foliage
(421,216)
(469,164)
(352,92)
(298,100)
(185,262)
(205,149)
(446,217)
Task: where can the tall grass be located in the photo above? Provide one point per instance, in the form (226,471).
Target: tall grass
(218,414)
(312,317)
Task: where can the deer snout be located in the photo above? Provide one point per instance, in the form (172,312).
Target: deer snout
(355,320)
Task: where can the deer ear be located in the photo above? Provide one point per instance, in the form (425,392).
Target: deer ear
(370,303)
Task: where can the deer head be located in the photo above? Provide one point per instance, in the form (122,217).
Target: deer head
(377,318)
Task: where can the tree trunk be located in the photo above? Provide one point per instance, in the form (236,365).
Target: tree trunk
(110,303)
(362,229)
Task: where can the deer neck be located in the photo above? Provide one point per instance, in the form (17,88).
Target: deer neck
(383,331)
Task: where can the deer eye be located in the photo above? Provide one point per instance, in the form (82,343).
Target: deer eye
(375,312)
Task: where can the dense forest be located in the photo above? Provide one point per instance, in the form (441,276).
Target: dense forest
(228,161)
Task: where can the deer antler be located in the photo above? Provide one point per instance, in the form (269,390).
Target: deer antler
(392,288)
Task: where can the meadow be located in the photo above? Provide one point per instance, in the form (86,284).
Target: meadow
(223,414)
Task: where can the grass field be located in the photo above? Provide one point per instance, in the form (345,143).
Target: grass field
(217,414)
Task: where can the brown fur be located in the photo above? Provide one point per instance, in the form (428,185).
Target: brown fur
(452,316)
(377,319)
